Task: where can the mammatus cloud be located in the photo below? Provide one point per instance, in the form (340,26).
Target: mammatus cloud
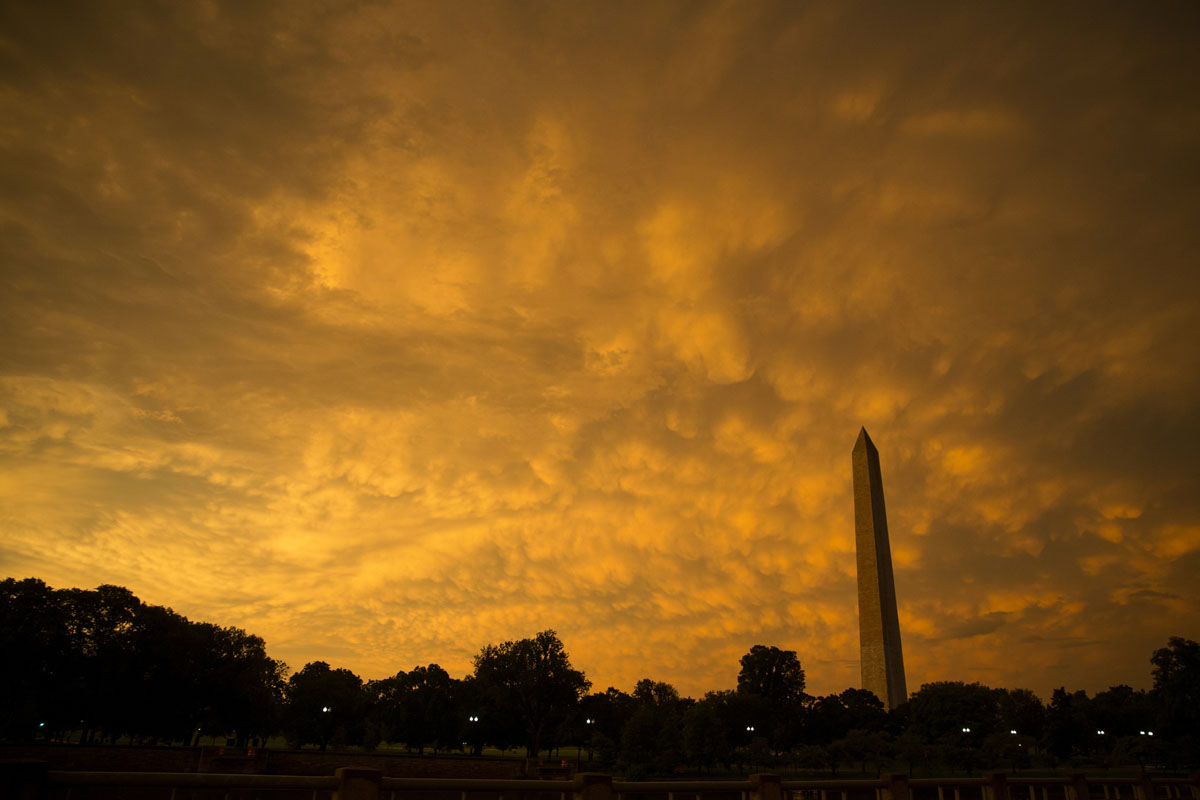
(390,332)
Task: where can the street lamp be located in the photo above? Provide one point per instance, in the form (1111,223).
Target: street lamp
(472,719)
(1101,733)
(325,709)
(585,740)
(966,730)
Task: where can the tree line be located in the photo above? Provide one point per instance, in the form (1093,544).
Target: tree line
(105,666)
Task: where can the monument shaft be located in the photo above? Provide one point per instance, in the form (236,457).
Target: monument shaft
(878,623)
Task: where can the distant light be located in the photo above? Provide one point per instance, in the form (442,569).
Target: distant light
(325,709)
(590,721)
(966,730)
(1014,733)
(472,719)
(1149,733)
(750,728)
(1100,732)
(1143,733)
(41,724)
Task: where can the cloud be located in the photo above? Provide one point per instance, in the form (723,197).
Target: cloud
(389,332)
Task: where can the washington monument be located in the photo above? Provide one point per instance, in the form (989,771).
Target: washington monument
(878,624)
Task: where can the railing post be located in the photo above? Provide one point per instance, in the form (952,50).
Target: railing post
(765,787)
(896,786)
(1144,788)
(357,783)
(1077,788)
(998,784)
(593,786)
(1194,780)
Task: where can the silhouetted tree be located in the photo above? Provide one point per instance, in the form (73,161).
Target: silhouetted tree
(706,729)
(535,676)
(424,708)
(39,685)
(1066,723)
(325,706)
(162,676)
(776,677)
(864,711)
(826,720)
(172,685)
(639,743)
(943,709)
(1177,695)
(608,711)
(385,698)
(1022,711)
(241,687)
(655,692)
(773,674)
(100,623)
(376,728)
(491,715)
(1121,711)
(488,716)
(166,678)
(652,739)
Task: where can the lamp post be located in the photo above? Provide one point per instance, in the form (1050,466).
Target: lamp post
(473,734)
(579,749)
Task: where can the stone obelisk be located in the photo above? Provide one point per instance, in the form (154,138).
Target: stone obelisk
(878,623)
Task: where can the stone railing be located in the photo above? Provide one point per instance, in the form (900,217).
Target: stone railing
(32,781)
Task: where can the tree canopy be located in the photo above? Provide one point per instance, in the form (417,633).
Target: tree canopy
(168,679)
(164,677)
(536,676)
(773,674)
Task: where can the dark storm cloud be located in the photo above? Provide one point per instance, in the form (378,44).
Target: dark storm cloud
(388,331)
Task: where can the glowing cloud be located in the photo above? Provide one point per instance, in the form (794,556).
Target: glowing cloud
(389,332)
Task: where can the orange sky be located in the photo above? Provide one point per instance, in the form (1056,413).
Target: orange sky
(388,331)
